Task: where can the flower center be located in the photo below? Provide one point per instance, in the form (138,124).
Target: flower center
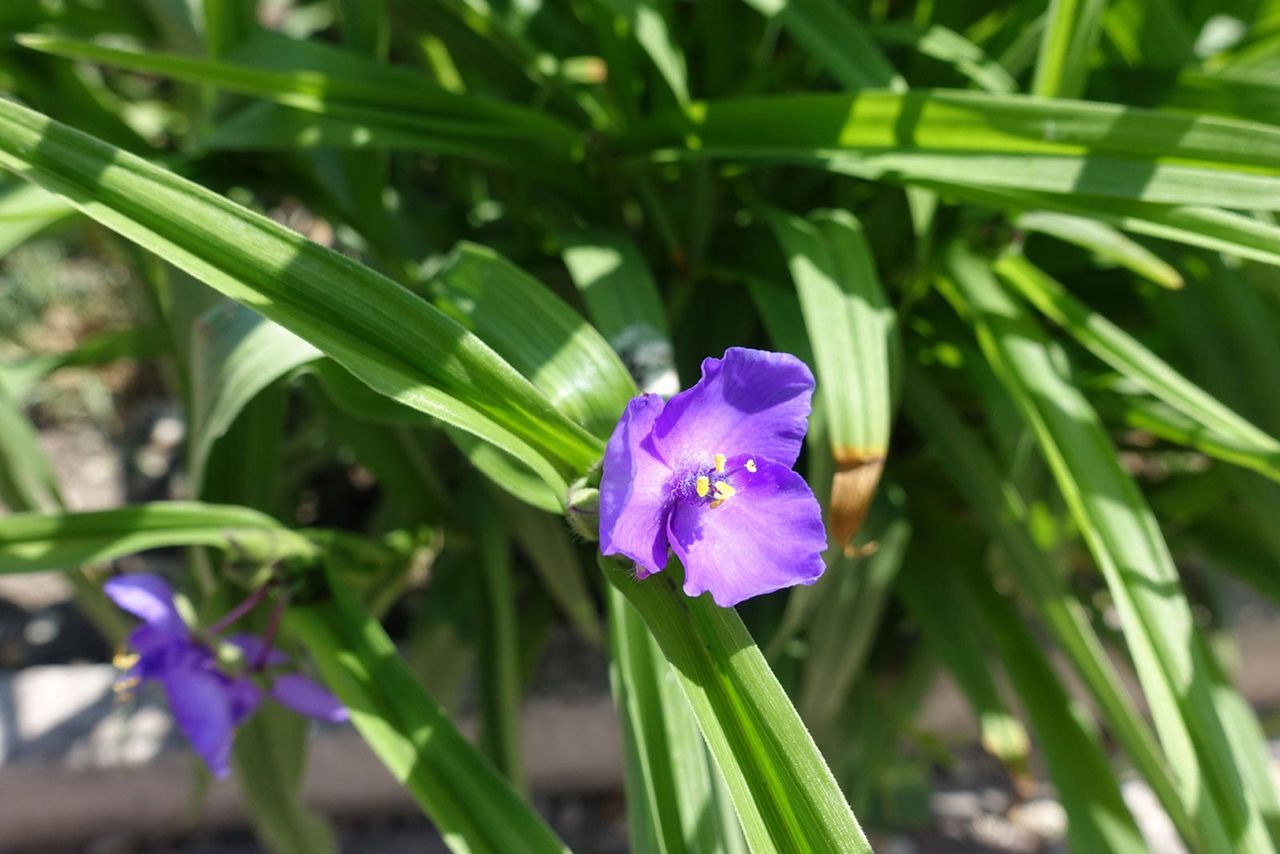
(712,483)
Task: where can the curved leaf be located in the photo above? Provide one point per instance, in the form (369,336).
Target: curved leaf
(35,541)
(387,337)
(1078,148)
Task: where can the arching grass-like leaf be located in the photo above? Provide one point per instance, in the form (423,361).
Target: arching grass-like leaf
(1104,241)
(1169,656)
(852,330)
(836,38)
(34,541)
(236,354)
(1076,148)
(946,45)
(934,593)
(538,334)
(1099,820)
(26,210)
(362,95)
(1133,360)
(474,807)
(1001,512)
(785,795)
(390,339)
(1071,33)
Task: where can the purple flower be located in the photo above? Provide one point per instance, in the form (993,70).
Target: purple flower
(208,703)
(709,474)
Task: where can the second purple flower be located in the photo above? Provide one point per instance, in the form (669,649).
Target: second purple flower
(208,703)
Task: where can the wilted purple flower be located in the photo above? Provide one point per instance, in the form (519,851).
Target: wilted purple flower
(208,703)
(709,474)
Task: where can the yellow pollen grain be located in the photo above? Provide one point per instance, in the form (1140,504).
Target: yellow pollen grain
(724,491)
(719,463)
(751,466)
(703,486)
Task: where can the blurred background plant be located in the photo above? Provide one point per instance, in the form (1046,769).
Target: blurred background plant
(1028,248)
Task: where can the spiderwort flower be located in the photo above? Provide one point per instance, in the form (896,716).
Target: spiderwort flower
(208,703)
(708,473)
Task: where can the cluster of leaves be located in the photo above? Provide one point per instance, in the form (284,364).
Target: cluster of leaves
(543,219)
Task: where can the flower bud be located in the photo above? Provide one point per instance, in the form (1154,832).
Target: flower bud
(583,511)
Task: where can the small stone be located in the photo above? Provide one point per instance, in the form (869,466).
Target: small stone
(1044,817)
(167,432)
(995,832)
(955,804)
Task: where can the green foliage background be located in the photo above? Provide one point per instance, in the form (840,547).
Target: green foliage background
(1029,249)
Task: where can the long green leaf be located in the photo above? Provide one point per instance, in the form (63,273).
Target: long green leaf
(1104,241)
(25,211)
(27,481)
(390,339)
(1207,227)
(835,38)
(783,790)
(654,34)
(1126,544)
(844,624)
(675,797)
(853,332)
(499,688)
(359,93)
(995,141)
(545,541)
(616,285)
(470,802)
(946,45)
(1071,34)
(950,625)
(538,334)
(236,353)
(35,541)
(1124,353)
(1001,511)
(1098,819)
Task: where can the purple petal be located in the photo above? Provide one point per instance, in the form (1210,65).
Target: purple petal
(769,535)
(171,654)
(307,697)
(243,695)
(634,499)
(749,402)
(148,597)
(253,649)
(203,711)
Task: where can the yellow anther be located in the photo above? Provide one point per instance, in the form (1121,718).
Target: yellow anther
(703,485)
(751,466)
(724,491)
(124,660)
(719,463)
(716,503)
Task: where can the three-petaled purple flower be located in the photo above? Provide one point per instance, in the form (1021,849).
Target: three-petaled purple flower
(208,703)
(709,474)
